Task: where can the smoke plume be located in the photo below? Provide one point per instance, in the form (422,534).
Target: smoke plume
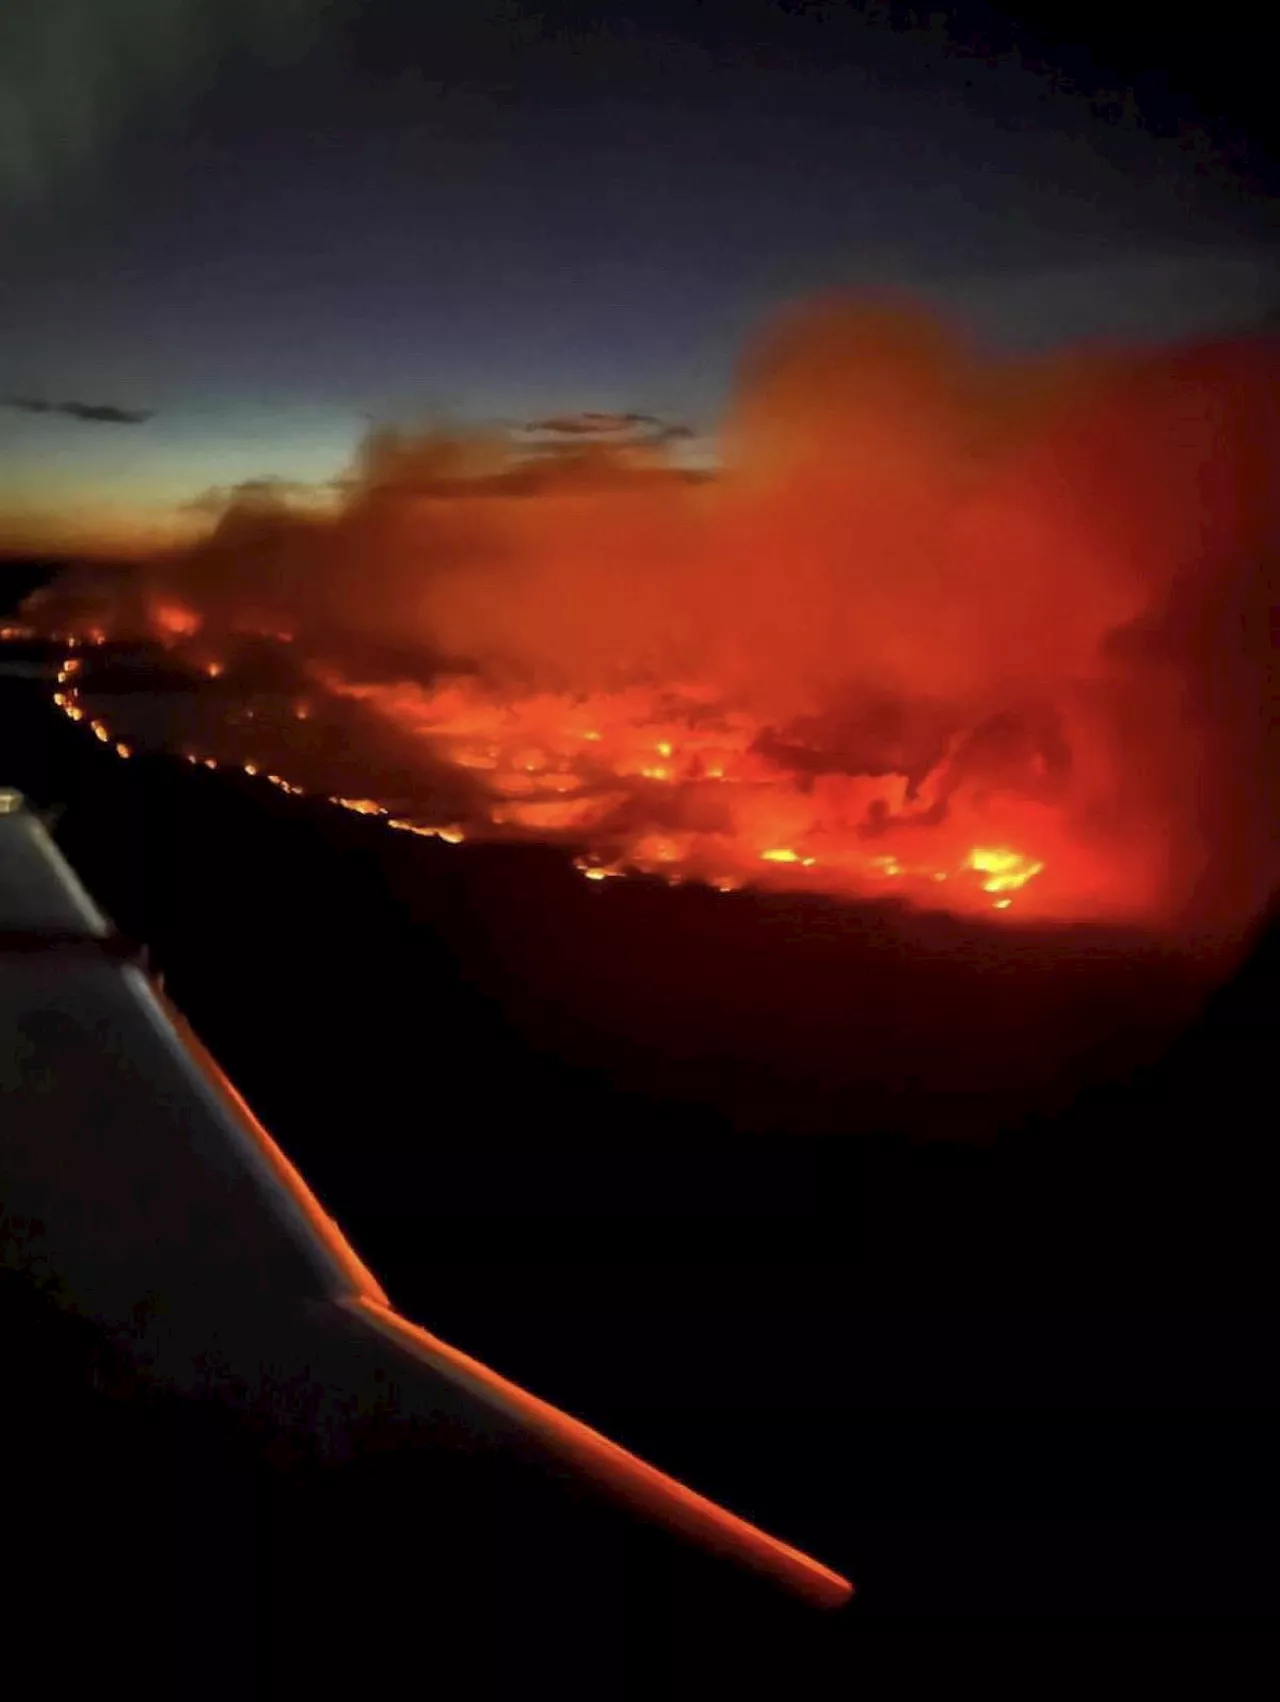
(999,630)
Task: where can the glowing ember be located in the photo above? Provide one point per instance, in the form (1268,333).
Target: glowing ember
(359,806)
(450,835)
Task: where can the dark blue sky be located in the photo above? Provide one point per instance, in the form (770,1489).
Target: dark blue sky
(274,218)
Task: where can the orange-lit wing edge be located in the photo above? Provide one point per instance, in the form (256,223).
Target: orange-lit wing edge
(643,1486)
(351,1286)
(348,1273)
(654,1493)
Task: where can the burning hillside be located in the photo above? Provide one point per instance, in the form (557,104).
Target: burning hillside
(994,636)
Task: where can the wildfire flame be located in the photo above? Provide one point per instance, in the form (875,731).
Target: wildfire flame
(581,769)
(1006,871)
(977,634)
(174,620)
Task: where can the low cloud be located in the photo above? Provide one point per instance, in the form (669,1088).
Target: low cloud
(610,426)
(96,413)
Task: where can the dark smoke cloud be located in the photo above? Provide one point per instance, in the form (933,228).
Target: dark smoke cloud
(601,425)
(96,413)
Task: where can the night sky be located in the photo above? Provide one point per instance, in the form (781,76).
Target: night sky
(271,221)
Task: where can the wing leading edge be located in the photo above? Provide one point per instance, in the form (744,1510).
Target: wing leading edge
(151,1176)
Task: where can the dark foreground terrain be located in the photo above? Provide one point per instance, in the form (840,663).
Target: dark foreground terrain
(949,1260)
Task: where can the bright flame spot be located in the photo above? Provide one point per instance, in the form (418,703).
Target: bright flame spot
(122,749)
(450,835)
(75,713)
(1002,904)
(359,806)
(99,731)
(781,855)
(210,762)
(1006,871)
(663,747)
(597,871)
(213,669)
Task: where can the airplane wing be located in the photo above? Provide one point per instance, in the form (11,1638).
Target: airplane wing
(150,1177)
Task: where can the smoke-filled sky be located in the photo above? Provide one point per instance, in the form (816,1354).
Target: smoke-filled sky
(235,231)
